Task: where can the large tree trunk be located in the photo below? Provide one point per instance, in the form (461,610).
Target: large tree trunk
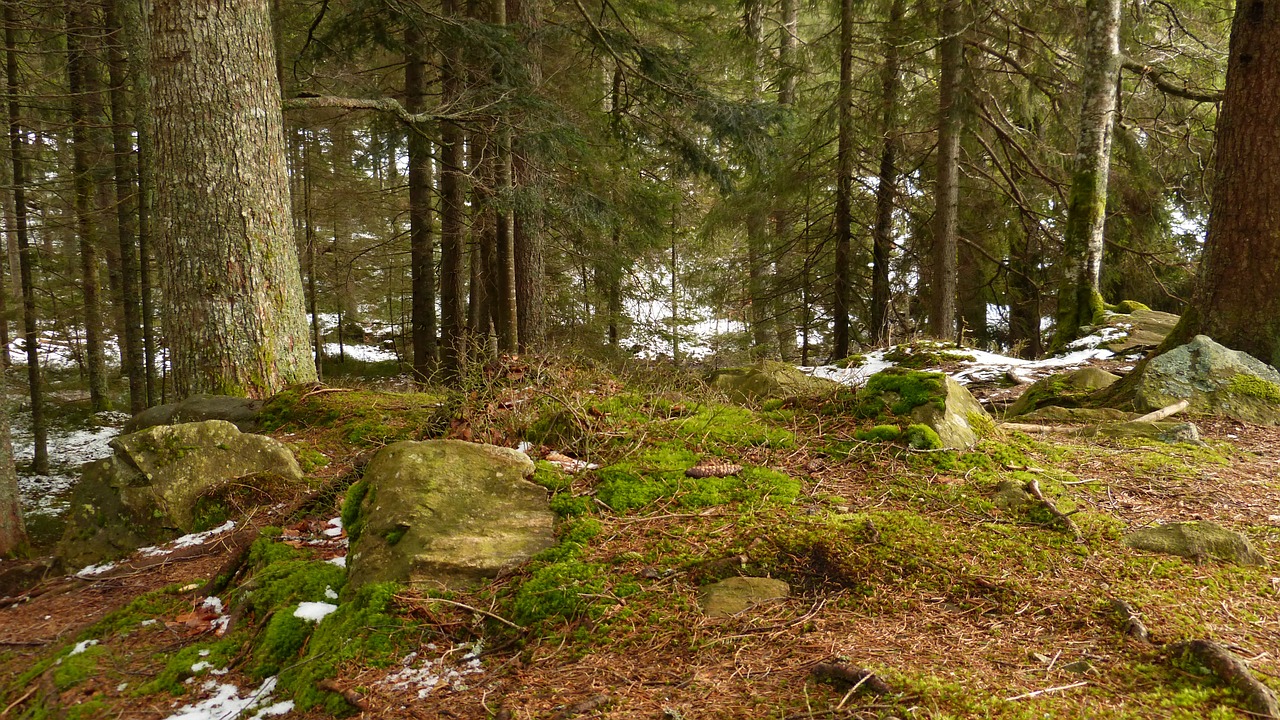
(12,533)
(17,135)
(783,297)
(82,79)
(1237,296)
(887,184)
(421,252)
(844,185)
(453,210)
(942,300)
(233,294)
(139,43)
(530,268)
(126,210)
(507,316)
(763,339)
(1079,298)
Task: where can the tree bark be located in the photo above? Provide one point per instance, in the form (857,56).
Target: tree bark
(763,337)
(452,210)
(138,42)
(887,184)
(17,142)
(844,185)
(126,209)
(530,266)
(507,316)
(83,83)
(942,300)
(12,532)
(1079,297)
(1237,296)
(233,293)
(421,251)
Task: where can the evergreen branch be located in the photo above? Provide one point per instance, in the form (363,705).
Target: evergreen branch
(1160,78)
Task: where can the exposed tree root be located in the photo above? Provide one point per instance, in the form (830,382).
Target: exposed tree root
(1259,699)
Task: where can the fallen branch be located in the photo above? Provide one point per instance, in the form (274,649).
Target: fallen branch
(1037,429)
(351,696)
(1033,487)
(1259,699)
(478,611)
(850,676)
(1133,626)
(1046,691)
(1163,413)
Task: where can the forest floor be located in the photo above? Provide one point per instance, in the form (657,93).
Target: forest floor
(900,563)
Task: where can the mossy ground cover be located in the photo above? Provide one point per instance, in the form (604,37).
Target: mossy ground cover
(899,559)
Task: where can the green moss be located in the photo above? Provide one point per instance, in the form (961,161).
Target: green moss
(280,642)
(550,476)
(75,669)
(879,433)
(1254,387)
(982,425)
(922,437)
(351,508)
(178,667)
(729,425)
(660,473)
(564,590)
(395,534)
(309,459)
(362,417)
(898,392)
(566,504)
(925,354)
(1128,307)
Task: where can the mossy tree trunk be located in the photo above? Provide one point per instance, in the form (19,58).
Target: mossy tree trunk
(421,250)
(26,253)
(943,279)
(844,186)
(12,532)
(234,312)
(1237,297)
(82,77)
(1079,296)
(887,183)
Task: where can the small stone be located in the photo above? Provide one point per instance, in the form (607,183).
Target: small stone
(1079,666)
(1196,540)
(769,380)
(732,596)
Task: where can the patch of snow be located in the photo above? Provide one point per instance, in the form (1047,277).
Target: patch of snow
(329,593)
(188,540)
(92,570)
(82,646)
(340,561)
(427,676)
(152,621)
(335,527)
(362,353)
(280,708)
(202,665)
(985,366)
(226,703)
(220,623)
(314,611)
(69,449)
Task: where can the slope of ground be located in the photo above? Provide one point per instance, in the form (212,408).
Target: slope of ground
(900,562)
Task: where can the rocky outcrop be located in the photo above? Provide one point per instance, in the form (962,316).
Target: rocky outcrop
(150,489)
(959,420)
(242,412)
(1061,389)
(1215,380)
(1196,540)
(732,596)
(446,514)
(769,380)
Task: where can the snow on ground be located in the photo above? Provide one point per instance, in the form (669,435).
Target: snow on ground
(58,352)
(314,611)
(430,674)
(362,353)
(226,703)
(199,538)
(69,448)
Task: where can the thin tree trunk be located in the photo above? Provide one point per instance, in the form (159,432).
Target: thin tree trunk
(39,428)
(942,306)
(1079,297)
(763,338)
(506,318)
(82,78)
(421,251)
(783,313)
(309,234)
(887,185)
(1024,294)
(530,269)
(139,59)
(13,534)
(452,210)
(235,317)
(844,185)
(126,210)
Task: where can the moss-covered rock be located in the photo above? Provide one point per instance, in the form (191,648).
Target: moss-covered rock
(1057,414)
(151,487)
(933,400)
(1133,328)
(1214,380)
(732,596)
(242,412)
(1166,432)
(447,514)
(769,380)
(1196,540)
(1062,389)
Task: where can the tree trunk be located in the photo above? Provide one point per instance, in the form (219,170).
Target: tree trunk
(1237,295)
(507,316)
(887,184)
(234,309)
(942,301)
(126,210)
(783,310)
(530,269)
(138,42)
(30,338)
(12,532)
(763,338)
(452,210)
(309,235)
(83,83)
(1079,298)
(1024,293)
(844,185)
(421,252)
